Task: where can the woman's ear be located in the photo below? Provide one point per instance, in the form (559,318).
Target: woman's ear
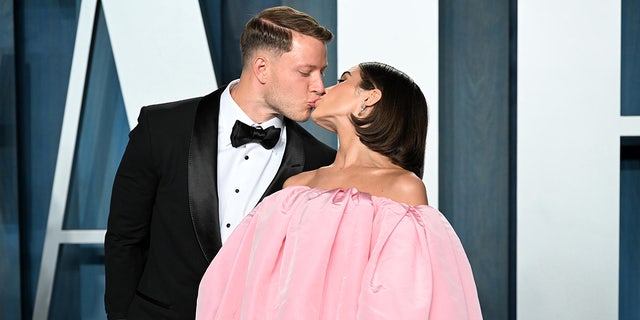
(374,96)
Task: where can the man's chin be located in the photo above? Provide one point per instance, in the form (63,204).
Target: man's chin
(301,117)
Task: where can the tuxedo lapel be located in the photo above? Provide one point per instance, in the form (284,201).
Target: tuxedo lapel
(292,161)
(202,176)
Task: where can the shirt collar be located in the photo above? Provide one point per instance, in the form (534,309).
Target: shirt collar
(230,111)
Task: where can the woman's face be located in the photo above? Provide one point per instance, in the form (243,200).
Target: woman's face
(340,101)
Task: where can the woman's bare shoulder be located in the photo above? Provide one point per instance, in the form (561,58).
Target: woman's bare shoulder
(408,188)
(300,179)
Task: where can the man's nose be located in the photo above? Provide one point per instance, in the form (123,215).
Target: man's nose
(317,86)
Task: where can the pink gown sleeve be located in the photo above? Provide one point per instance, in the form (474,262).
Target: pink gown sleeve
(418,270)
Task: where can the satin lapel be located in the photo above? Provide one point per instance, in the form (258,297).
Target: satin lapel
(293,160)
(202,177)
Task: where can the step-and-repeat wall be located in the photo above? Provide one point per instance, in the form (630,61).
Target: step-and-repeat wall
(532,150)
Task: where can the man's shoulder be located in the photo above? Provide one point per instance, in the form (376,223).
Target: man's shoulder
(182,106)
(193,101)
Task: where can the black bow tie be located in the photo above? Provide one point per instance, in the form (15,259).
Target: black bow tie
(243,134)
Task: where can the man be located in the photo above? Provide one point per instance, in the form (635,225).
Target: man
(187,178)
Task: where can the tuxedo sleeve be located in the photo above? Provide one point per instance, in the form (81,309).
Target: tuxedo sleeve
(127,237)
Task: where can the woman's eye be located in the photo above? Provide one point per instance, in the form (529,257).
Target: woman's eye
(341,80)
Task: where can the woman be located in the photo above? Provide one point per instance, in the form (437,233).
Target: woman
(356,239)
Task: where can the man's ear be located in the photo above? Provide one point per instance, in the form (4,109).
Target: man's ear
(260,67)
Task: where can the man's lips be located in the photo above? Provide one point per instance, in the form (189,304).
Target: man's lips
(313,102)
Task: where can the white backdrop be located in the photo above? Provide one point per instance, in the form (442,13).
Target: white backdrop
(568,159)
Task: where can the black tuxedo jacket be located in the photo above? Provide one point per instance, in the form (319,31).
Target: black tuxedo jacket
(163,228)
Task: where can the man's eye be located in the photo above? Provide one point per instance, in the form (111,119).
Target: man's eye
(305,74)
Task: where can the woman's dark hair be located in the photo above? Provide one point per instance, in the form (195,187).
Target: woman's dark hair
(397,125)
(272,29)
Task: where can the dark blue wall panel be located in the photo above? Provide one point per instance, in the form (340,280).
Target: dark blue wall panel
(630,229)
(630,164)
(477,142)
(630,68)
(45,36)
(9,220)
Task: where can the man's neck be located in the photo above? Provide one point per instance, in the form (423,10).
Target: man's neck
(251,101)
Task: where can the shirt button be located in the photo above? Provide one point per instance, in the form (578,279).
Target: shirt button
(228,225)
(246,157)
(237,190)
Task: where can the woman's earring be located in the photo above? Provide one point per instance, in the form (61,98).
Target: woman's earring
(364,106)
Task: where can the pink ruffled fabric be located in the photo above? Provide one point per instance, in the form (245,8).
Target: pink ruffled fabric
(306,253)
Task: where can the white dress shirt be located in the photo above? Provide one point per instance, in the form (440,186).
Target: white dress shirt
(244,173)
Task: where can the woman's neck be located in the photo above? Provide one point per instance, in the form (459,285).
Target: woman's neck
(353,153)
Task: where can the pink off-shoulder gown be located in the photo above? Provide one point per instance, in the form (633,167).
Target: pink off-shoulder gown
(306,253)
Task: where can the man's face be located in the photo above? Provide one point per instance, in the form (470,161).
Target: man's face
(295,78)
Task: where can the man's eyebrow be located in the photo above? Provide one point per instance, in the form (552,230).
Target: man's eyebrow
(312,66)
